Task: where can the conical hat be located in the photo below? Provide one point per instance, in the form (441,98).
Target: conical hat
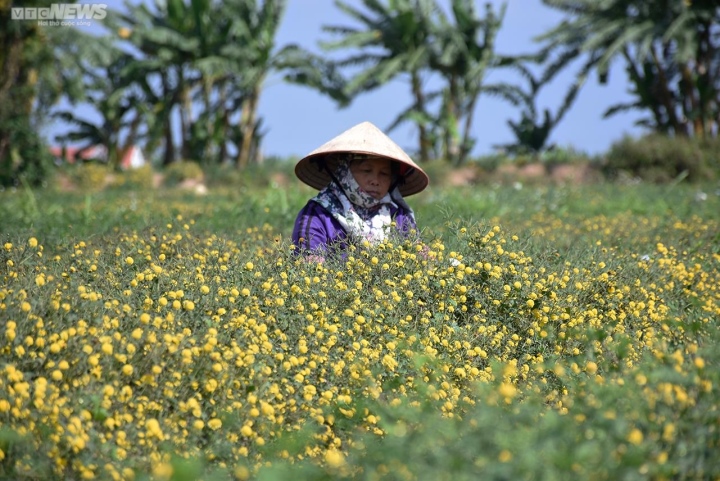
(364,138)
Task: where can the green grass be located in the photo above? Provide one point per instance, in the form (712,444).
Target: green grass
(228,210)
(548,333)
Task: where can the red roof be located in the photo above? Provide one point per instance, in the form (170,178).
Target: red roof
(73,153)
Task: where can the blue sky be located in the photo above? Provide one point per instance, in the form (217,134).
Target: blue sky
(298,119)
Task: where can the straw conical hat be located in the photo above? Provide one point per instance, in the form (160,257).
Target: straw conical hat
(364,138)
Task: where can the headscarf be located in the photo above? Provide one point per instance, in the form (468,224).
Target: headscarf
(360,214)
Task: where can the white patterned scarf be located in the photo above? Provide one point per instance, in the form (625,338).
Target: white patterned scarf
(360,214)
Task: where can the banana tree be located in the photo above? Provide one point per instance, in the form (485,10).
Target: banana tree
(302,67)
(165,38)
(256,26)
(112,95)
(463,53)
(175,43)
(532,135)
(208,61)
(669,48)
(416,40)
(392,41)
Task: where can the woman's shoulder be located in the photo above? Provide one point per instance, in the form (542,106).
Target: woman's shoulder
(315,227)
(399,209)
(316,213)
(312,207)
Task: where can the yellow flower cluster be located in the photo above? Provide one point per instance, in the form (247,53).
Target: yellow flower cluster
(114,350)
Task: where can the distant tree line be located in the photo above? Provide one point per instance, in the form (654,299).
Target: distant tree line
(198,68)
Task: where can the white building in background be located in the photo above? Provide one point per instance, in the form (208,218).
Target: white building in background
(133,158)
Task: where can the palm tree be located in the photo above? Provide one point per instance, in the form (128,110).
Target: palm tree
(669,48)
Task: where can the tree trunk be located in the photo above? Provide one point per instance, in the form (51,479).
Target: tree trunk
(9,72)
(464,150)
(691,102)
(169,145)
(638,79)
(707,86)
(452,147)
(209,123)
(680,128)
(422,128)
(247,128)
(169,157)
(185,117)
(224,126)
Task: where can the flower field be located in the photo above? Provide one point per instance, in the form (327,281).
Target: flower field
(545,333)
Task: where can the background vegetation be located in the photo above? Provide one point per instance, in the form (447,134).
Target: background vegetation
(548,332)
(196,70)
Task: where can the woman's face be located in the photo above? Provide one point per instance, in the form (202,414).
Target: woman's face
(374,176)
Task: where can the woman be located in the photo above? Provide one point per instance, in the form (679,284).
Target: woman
(362,176)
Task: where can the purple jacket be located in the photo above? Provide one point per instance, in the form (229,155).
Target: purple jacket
(315,228)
